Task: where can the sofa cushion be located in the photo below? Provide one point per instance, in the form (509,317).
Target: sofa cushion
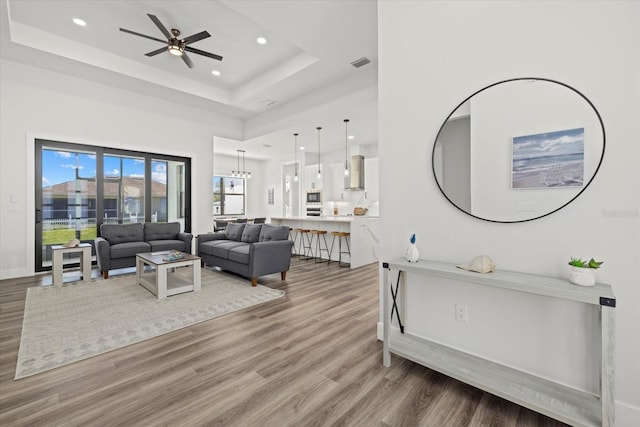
(161,231)
(122,233)
(220,248)
(128,249)
(240,254)
(234,231)
(167,245)
(273,232)
(251,233)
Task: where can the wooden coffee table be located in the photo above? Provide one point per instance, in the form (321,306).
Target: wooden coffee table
(163,283)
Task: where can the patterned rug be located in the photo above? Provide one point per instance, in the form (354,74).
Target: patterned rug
(77,320)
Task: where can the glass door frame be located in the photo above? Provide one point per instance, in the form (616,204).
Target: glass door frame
(100,152)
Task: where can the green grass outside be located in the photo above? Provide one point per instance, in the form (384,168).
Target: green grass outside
(57,237)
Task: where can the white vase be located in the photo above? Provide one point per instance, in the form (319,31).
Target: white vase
(412,253)
(582,276)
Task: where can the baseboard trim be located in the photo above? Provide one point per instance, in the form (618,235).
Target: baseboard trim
(14,273)
(627,415)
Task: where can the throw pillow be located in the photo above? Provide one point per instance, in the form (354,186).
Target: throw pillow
(122,233)
(251,233)
(234,231)
(273,232)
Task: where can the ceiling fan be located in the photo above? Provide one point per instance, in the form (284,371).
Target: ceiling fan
(174,45)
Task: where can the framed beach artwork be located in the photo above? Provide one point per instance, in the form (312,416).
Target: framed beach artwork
(548,160)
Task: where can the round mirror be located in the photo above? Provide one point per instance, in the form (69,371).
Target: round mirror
(518,150)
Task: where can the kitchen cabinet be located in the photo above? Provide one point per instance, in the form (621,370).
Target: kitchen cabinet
(311,180)
(371,181)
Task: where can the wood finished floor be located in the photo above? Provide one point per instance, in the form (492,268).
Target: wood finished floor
(308,359)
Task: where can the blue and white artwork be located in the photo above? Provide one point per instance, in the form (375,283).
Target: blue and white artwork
(552,159)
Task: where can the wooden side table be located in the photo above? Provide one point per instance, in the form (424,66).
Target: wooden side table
(85,260)
(164,284)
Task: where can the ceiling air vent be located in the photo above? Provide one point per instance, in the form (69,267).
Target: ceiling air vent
(360,62)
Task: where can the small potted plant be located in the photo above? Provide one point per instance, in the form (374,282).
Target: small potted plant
(583,272)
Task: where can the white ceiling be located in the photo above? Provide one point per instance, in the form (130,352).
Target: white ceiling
(310,45)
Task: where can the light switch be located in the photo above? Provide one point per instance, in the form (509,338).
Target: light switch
(13,198)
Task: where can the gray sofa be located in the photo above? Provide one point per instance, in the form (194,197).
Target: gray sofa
(250,250)
(118,244)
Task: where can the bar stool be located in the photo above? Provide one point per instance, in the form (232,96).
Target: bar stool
(319,249)
(304,248)
(293,239)
(340,235)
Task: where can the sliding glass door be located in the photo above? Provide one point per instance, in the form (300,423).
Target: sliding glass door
(80,187)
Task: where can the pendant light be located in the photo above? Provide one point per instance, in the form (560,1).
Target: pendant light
(245,173)
(319,173)
(236,173)
(241,173)
(346,137)
(295,154)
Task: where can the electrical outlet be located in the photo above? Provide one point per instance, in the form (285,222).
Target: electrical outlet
(462,312)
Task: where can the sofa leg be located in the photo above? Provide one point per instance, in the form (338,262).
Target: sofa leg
(254,281)
(105,274)
(283,275)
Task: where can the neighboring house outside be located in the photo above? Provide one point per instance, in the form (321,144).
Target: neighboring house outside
(123,200)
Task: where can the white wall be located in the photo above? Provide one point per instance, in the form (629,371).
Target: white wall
(435,54)
(37,103)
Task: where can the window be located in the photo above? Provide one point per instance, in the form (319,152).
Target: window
(228,195)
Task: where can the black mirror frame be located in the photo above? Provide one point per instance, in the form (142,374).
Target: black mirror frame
(604,138)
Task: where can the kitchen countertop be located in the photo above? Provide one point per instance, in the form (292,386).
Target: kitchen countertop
(332,218)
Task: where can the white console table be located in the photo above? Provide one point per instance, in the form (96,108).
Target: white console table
(555,400)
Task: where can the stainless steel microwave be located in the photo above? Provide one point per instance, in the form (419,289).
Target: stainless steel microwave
(314,197)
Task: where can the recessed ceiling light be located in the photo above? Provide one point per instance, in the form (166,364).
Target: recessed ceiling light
(79,22)
(351,137)
(302,148)
(215,73)
(261,40)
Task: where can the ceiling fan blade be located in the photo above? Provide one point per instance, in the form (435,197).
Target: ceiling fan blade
(156,21)
(196,37)
(156,52)
(187,60)
(203,53)
(142,35)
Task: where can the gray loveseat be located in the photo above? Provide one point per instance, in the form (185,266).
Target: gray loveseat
(118,244)
(251,250)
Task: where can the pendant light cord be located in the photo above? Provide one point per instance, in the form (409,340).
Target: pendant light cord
(319,173)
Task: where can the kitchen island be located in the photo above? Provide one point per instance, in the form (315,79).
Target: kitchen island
(363,241)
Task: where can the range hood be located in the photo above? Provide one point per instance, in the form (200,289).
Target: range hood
(355,180)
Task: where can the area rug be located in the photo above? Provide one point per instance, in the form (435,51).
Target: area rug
(75,321)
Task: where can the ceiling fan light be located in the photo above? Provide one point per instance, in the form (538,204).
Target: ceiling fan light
(175,50)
